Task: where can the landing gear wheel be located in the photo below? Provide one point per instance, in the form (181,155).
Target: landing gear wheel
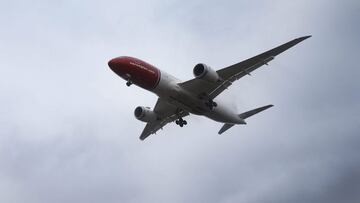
(211,104)
(181,122)
(128,83)
(214,104)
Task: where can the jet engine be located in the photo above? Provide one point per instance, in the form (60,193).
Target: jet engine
(204,72)
(145,114)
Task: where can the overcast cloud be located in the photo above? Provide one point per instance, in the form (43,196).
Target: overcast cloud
(67,130)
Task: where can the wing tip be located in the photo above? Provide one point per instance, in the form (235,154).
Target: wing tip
(266,107)
(143,136)
(304,37)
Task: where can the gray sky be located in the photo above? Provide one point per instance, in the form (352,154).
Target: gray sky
(67,130)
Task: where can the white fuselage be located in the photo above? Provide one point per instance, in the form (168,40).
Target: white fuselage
(169,90)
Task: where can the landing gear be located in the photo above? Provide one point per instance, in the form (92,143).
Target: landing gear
(211,104)
(208,101)
(128,83)
(181,122)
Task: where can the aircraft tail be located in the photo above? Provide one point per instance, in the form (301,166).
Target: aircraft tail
(244,116)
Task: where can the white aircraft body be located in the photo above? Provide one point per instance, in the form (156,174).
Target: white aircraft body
(178,99)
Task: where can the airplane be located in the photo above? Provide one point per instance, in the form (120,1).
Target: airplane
(177,99)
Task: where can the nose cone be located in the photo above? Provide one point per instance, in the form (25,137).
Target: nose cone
(113,63)
(120,65)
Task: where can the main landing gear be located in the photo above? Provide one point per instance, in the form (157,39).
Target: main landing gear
(181,122)
(128,83)
(208,101)
(211,104)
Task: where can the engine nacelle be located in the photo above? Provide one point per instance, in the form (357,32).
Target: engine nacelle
(204,72)
(145,114)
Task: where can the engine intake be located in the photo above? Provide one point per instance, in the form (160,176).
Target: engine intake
(204,72)
(145,114)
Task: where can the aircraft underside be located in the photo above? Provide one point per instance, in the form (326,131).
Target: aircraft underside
(197,96)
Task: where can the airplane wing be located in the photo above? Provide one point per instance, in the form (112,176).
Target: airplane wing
(232,73)
(167,113)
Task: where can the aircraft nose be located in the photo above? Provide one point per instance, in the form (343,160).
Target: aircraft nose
(112,63)
(118,65)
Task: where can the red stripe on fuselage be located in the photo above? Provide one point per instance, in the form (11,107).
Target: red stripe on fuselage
(137,71)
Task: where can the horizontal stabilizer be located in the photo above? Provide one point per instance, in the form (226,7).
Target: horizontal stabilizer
(225,127)
(245,115)
(254,111)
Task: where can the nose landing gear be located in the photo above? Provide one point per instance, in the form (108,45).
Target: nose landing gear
(128,79)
